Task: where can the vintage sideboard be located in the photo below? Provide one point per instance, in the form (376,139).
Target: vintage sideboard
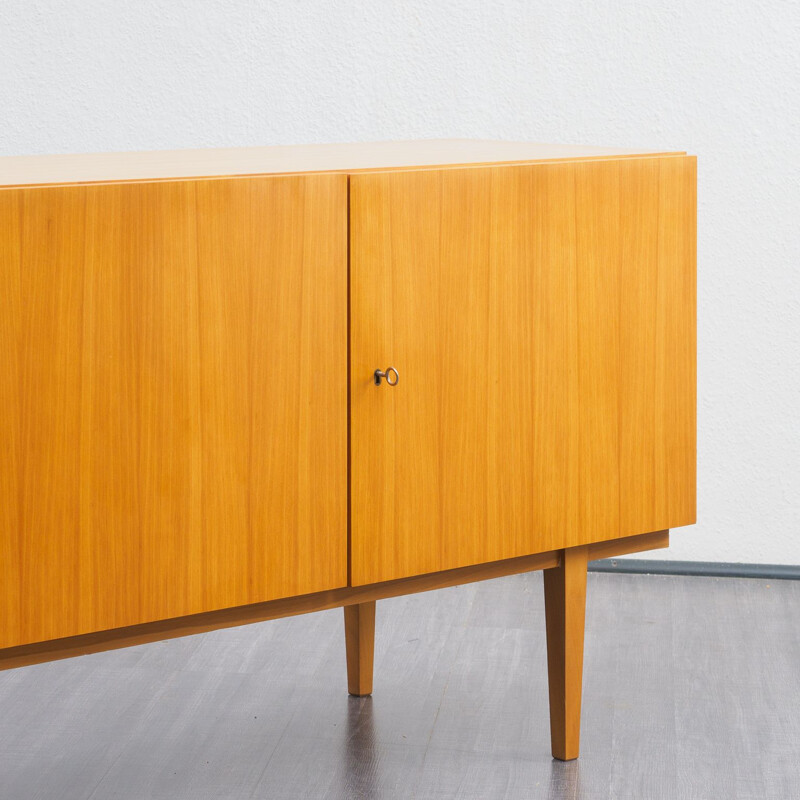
(241,384)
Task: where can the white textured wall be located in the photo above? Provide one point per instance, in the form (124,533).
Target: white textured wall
(719,79)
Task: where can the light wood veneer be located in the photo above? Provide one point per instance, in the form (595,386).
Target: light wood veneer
(540,318)
(158,165)
(174,401)
(193,624)
(191,433)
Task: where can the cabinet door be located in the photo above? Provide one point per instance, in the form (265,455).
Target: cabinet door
(173,399)
(542,320)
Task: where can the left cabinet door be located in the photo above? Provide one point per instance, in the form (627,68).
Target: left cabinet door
(173,399)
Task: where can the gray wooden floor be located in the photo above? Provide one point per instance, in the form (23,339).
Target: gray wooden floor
(691,690)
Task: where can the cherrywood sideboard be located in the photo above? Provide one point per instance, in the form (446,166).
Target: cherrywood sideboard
(241,384)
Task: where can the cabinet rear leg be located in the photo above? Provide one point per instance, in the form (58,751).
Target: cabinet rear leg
(565,612)
(359,637)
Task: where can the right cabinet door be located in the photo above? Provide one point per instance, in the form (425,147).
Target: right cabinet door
(542,321)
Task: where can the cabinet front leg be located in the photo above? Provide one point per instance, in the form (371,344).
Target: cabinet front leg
(565,612)
(359,637)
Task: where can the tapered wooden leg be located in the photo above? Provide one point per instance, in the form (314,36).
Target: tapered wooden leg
(359,637)
(565,612)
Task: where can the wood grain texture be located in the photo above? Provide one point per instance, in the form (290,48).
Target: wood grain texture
(629,544)
(281,159)
(657,344)
(172,371)
(508,299)
(565,611)
(55,649)
(597,368)
(24,655)
(113,639)
(359,636)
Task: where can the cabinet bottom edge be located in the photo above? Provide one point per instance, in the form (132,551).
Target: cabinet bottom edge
(96,642)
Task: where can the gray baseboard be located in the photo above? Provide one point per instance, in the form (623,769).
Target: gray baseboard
(715,569)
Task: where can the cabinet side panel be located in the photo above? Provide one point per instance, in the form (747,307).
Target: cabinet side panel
(174,362)
(657,344)
(641,438)
(677,334)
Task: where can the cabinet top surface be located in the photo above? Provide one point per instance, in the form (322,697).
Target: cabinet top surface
(290,159)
